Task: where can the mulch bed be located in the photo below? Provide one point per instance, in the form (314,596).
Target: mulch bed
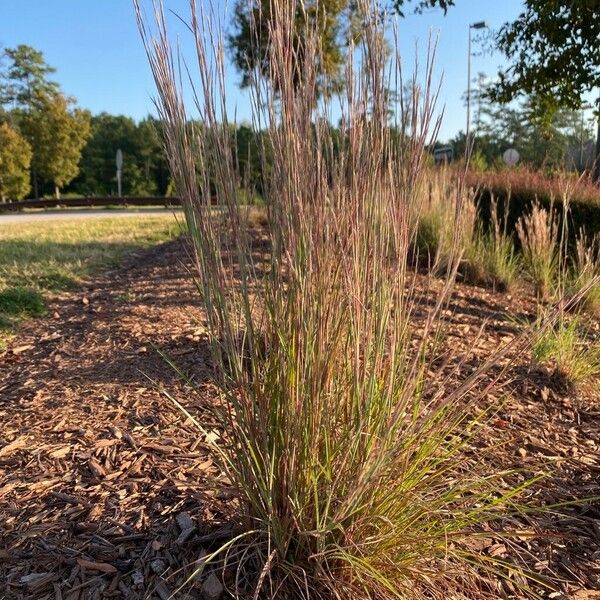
(108,491)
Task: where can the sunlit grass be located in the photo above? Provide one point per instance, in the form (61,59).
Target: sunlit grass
(570,348)
(38,259)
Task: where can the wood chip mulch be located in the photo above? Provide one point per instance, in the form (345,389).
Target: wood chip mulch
(107,491)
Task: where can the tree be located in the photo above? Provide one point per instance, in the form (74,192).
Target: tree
(58,132)
(25,77)
(145,168)
(15,158)
(555,56)
(553,143)
(253,21)
(421,5)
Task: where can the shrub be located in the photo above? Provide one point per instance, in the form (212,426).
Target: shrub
(524,188)
(341,433)
(539,236)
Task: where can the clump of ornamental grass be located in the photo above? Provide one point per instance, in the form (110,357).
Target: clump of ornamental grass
(491,259)
(341,432)
(583,279)
(445,221)
(570,347)
(538,234)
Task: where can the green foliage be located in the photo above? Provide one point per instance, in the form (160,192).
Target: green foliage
(446,224)
(521,190)
(18,300)
(492,259)
(539,236)
(145,169)
(48,120)
(583,277)
(554,53)
(57,132)
(570,347)
(421,5)
(25,77)
(15,158)
(38,259)
(561,140)
(249,42)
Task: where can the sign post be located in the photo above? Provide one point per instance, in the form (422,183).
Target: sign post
(119,170)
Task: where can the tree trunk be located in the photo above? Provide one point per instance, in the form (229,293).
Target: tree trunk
(57,192)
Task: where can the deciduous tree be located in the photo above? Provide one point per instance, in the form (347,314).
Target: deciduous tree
(15,158)
(58,132)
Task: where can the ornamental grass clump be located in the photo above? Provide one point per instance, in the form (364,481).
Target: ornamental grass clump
(570,346)
(583,278)
(538,234)
(446,217)
(342,432)
(491,258)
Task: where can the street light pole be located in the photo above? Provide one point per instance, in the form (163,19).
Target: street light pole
(478,25)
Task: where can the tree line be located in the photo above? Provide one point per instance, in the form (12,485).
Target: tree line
(48,144)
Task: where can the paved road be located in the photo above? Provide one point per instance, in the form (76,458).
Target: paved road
(68,215)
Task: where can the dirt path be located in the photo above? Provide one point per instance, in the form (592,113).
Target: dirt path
(95,463)
(106,491)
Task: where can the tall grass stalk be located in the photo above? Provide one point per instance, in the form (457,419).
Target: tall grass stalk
(342,435)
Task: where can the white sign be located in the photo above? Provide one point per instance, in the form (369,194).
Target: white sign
(511,157)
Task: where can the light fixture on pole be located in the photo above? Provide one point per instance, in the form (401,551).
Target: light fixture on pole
(477,25)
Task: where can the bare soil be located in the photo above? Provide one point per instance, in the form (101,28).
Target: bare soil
(108,491)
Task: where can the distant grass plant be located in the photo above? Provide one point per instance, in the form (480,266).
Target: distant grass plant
(491,258)
(445,218)
(539,236)
(583,278)
(341,432)
(570,347)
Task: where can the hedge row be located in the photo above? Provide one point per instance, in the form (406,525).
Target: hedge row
(582,213)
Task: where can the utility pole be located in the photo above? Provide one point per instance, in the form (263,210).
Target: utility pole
(478,25)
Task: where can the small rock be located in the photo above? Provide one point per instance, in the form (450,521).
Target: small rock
(185,521)
(138,578)
(158,565)
(185,535)
(522,452)
(212,588)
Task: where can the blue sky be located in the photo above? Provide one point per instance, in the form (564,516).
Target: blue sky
(95,47)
